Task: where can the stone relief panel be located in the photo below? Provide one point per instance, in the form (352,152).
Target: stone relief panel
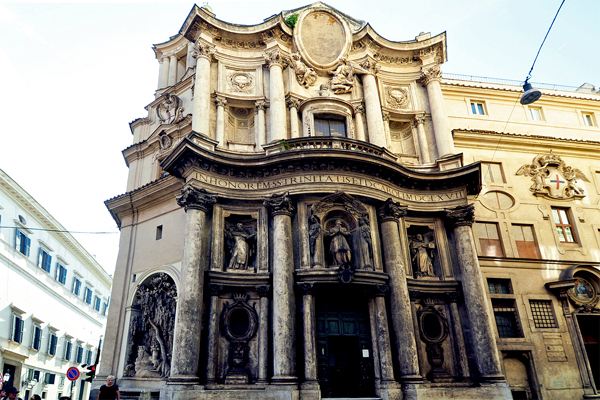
(150,342)
(433,330)
(240,82)
(339,235)
(240,239)
(397,97)
(170,110)
(552,178)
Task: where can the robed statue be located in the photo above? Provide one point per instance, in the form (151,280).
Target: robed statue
(421,249)
(240,245)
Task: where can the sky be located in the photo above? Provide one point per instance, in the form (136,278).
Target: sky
(73,75)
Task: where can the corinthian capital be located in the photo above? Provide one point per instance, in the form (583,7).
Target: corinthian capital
(274,57)
(196,199)
(461,216)
(204,50)
(391,210)
(430,74)
(370,66)
(280,204)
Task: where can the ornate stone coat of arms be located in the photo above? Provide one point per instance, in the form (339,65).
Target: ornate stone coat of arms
(553,178)
(170,111)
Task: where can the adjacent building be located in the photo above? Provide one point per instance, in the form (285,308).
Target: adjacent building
(54,299)
(315,211)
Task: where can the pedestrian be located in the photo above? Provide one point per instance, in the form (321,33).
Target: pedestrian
(36,397)
(64,398)
(2,394)
(11,393)
(110,391)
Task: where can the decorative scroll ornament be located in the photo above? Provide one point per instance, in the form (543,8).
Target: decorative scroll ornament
(553,178)
(397,97)
(304,75)
(170,111)
(241,82)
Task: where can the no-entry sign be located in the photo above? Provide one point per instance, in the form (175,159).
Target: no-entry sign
(72,374)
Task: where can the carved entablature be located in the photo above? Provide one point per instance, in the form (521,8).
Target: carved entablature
(552,178)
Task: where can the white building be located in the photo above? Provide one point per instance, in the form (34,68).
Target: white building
(53,298)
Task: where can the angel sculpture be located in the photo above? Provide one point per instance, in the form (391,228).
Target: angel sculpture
(306,76)
(240,246)
(342,80)
(572,175)
(538,175)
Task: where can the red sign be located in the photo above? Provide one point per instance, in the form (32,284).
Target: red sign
(72,374)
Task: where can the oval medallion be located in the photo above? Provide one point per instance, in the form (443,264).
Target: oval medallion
(322,38)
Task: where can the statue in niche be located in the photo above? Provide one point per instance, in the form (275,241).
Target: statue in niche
(421,249)
(343,77)
(339,248)
(314,233)
(365,243)
(151,330)
(304,75)
(240,244)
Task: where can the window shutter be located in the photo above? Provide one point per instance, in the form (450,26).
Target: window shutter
(27,245)
(19,330)
(40,262)
(51,379)
(17,239)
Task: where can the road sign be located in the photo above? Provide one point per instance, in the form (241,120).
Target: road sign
(72,374)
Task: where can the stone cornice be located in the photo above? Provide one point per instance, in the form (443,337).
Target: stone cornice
(501,141)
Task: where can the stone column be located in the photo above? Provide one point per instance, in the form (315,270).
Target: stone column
(406,345)
(386,129)
(201,106)
(360,127)
(213,333)
(419,121)
(261,129)
(310,387)
(432,75)
(163,74)
(188,321)
(284,312)
(293,107)
(220,129)
(383,335)
(277,124)
(263,333)
(172,70)
(474,291)
(376,130)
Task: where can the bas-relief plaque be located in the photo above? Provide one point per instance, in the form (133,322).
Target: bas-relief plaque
(322,37)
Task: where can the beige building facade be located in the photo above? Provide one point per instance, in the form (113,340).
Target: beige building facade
(314,211)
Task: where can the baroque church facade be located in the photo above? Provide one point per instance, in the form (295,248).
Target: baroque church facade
(313,211)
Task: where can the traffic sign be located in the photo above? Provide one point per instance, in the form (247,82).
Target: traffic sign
(72,374)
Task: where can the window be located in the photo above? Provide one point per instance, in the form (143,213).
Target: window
(33,374)
(36,338)
(49,378)
(52,342)
(17,329)
(97,303)
(87,295)
(22,243)
(499,286)
(330,125)
(525,240)
(543,314)
(88,357)
(79,354)
(489,239)
(477,108)
(68,349)
(492,172)
(564,227)
(61,273)
(76,289)
(44,260)
(505,314)
(498,200)
(159,230)
(104,308)
(588,119)
(535,114)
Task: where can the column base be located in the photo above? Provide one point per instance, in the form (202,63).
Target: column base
(412,379)
(284,380)
(492,378)
(183,380)
(310,391)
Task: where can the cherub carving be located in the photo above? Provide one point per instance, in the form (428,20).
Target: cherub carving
(240,245)
(572,175)
(538,175)
(306,76)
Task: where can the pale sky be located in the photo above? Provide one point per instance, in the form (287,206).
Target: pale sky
(72,76)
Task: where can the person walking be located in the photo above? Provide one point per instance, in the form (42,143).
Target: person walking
(110,391)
